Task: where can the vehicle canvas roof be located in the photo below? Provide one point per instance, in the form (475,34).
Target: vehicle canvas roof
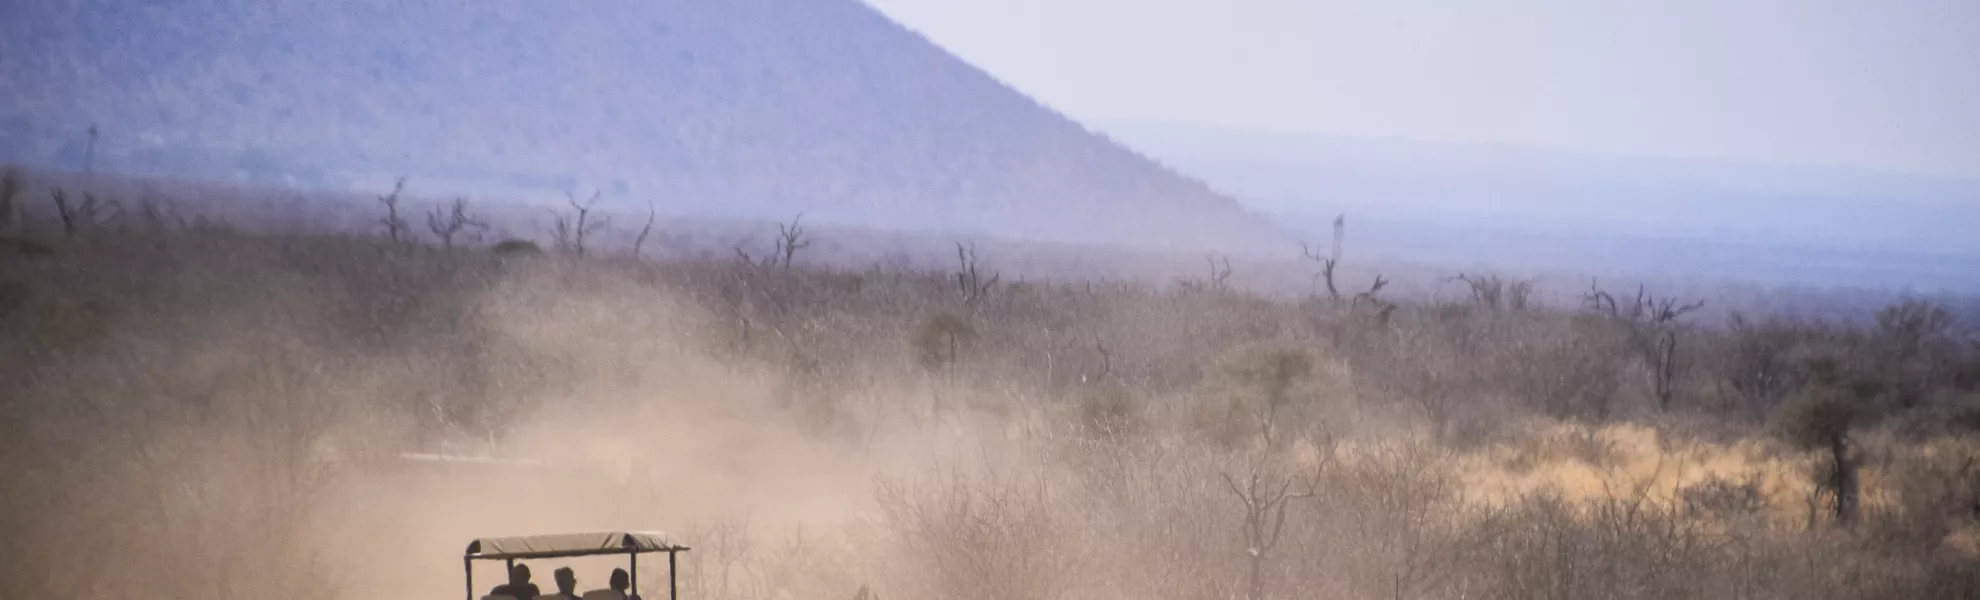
(557,545)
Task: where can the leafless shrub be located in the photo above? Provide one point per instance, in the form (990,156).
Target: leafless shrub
(1495,293)
(1916,347)
(1265,486)
(1252,394)
(1216,279)
(1570,372)
(452,221)
(1329,262)
(572,230)
(790,240)
(1393,520)
(970,284)
(1652,324)
(996,541)
(1756,363)
(396,228)
(80,218)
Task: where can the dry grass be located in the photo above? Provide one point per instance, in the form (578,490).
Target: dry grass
(230,407)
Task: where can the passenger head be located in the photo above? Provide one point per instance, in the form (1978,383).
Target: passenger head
(620,580)
(519,575)
(566,581)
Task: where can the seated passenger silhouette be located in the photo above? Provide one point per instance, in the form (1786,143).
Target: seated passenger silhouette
(566,585)
(518,586)
(621,585)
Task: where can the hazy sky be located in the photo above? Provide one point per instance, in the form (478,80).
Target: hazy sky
(1886,84)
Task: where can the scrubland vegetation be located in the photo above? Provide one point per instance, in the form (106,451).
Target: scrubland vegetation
(198,411)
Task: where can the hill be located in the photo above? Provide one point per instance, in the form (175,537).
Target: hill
(746,108)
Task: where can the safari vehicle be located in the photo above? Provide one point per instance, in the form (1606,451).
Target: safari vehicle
(569,545)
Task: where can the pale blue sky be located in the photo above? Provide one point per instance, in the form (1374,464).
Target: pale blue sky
(1882,84)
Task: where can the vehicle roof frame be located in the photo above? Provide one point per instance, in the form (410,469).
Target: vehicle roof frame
(510,549)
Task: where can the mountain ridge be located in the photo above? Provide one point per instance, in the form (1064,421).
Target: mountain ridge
(746,108)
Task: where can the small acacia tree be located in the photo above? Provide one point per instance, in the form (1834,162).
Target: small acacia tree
(1250,392)
(1819,418)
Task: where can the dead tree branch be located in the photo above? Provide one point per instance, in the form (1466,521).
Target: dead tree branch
(639,243)
(396,228)
(791,239)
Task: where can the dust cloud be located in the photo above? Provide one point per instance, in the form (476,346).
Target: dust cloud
(211,413)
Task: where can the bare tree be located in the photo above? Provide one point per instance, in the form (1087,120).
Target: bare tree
(1264,521)
(453,221)
(639,243)
(572,231)
(1265,378)
(969,280)
(791,239)
(396,228)
(1652,326)
(1492,292)
(1220,274)
(1264,502)
(1330,261)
